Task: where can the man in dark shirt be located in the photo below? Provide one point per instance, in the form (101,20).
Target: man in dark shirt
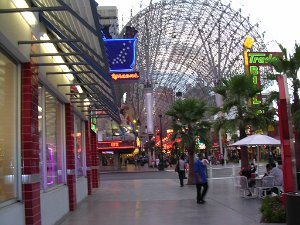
(200,179)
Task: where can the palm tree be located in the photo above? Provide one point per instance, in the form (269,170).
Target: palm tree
(289,65)
(239,114)
(188,122)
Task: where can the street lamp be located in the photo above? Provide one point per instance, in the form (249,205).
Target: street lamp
(161,166)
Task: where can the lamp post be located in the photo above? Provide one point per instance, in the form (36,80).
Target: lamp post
(161,166)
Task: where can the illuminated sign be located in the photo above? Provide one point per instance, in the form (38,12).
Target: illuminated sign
(255,60)
(125,76)
(107,152)
(94,124)
(121,53)
(262,58)
(115,145)
(100,112)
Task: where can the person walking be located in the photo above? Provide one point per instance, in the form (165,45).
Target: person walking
(181,169)
(200,179)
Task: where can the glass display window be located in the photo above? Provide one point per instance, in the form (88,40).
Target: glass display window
(8,128)
(79,146)
(51,139)
(107,158)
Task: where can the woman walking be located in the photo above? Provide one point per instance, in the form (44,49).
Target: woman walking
(181,166)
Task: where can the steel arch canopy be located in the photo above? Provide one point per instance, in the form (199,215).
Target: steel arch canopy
(188,45)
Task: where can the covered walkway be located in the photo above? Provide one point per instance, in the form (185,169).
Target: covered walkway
(156,199)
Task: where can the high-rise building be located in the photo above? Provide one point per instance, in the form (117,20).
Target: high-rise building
(109,20)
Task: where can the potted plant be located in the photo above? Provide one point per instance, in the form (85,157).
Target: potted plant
(272,210)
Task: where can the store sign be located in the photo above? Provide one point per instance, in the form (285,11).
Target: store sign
(121,53)
(94,124)
(255,60)
(263,58)
(115,145)
(117,76)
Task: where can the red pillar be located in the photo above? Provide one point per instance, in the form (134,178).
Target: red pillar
(285,135)
(30,145)
(88,156)
(70,155)
(95,160)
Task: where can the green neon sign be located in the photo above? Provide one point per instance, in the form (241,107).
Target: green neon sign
(261,58)
(254,72)
(94,124)
(257,59)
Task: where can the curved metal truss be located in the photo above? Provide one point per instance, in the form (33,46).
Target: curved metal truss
(186,46)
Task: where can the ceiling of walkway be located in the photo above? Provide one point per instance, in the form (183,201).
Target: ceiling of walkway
(187,46)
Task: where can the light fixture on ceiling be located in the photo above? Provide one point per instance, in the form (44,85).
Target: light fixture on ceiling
(28,16)
(52,49)
(86,101)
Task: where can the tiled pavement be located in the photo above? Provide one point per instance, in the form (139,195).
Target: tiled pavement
(150,199)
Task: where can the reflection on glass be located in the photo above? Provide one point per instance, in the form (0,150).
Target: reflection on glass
(51,153)
(107,160)
(78,146)
(40,117)
(8,114)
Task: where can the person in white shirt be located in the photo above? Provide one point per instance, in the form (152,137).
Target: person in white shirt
(278,177)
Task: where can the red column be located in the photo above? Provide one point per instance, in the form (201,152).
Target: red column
(30,145)
(95,161)
(70,155)
(88,156)
(285,137)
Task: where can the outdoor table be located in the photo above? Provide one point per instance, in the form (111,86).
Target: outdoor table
(258,181)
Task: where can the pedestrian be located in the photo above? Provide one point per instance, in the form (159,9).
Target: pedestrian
(181,169)
(200,179)
(270,157)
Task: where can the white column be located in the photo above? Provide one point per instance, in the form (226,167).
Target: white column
(149,109)
(219,103)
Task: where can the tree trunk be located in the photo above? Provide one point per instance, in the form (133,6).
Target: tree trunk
(244,156)
(191,175)
(244,149)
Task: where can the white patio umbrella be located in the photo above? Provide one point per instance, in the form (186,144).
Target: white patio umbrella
(258,140)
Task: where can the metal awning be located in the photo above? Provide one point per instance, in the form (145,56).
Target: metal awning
(77,35)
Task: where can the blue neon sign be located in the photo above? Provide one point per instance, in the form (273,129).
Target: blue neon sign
(121,53)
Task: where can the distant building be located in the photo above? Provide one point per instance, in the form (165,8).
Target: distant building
(109,21)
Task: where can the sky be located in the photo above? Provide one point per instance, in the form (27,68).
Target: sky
(279,19)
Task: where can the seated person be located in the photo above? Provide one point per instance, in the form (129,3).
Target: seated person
(278,177)
(268,169)
(247,173)
(253,168)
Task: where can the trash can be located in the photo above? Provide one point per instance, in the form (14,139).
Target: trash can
(292,208)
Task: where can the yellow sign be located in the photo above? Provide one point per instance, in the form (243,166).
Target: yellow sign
(125,76)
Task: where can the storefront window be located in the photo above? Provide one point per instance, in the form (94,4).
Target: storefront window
(78,145)
(8,129)
(41,138)
(107,158)
(51,136)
